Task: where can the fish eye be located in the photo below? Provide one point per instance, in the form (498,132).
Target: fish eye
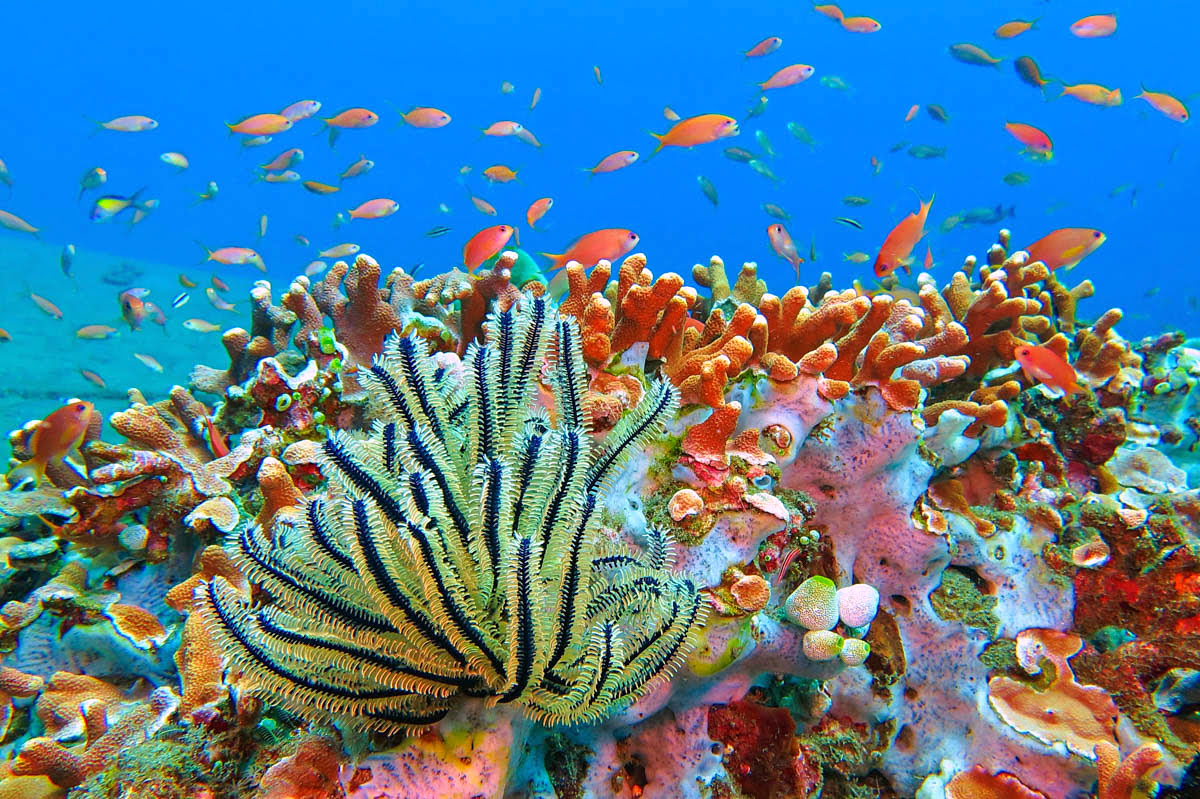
(81,407)
(1095,234)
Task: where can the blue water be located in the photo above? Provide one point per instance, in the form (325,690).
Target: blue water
(195,66)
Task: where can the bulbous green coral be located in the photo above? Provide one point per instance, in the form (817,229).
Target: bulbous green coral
(457,554)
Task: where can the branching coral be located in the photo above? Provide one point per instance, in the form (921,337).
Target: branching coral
(459,551)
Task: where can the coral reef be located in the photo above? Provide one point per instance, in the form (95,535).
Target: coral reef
(445,537)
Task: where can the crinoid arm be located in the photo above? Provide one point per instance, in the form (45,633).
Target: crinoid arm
(457,553)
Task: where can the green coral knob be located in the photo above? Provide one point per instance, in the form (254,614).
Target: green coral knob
(823,644)
(854,651)
(814,605)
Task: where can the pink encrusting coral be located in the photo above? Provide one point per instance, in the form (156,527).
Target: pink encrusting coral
(892,564)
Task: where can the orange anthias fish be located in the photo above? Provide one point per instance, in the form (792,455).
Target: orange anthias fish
(1095,26)
(261,125)
(611,163)
(1065,247)
(421,117)
(1093,93)
(898,246)
(697,130)
(352,118)
(1165,104)
(1034,139)
(861,24)
(503,128)
(1015,28)
(375,209)
(788,76)
(537,209)
(482,205)
(316,187)
(55,437)
(784,246)
(499,173)
(600,245)
(234,256)
(485,244)
(765,47)
(1047,367)
(830,10)
(912,112)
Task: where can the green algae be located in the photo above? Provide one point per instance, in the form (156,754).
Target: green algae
(566,763)
(958,598)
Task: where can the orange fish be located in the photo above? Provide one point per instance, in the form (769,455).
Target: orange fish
(1015,28)
(216,441)
(876,165)
(765,47)
(1093,93)
(426,118)
(261,125)
(54,438)
(928,258)
(1047,367)
(319,188)
(219,284)
(92,377)
(861,24)
(499,173)
(186,281)
(788,76)
(898,246)
(5,335)
(235,256)
(375,209)
(596,71)
(537,209)
(1165,104)
(1034,139)
(611,163)
(485,244)
(912,112)
(46,305)
(784,246)
(1095,26)
(503,128)
(607,245)
(95,332)
(830,10)
(1065,247)
(697,130)
(353,118)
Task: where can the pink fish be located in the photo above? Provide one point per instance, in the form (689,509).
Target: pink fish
(375,209)
(788,76)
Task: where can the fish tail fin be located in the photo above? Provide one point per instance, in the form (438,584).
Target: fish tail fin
(98,125)
(206,250)
(333,136)
(557,260)
(661,143)
(33,469)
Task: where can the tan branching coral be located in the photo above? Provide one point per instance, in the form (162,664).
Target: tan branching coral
(245,351)
(748,288)
(1117,776)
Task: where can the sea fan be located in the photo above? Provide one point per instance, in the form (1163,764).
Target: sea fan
(457,552)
